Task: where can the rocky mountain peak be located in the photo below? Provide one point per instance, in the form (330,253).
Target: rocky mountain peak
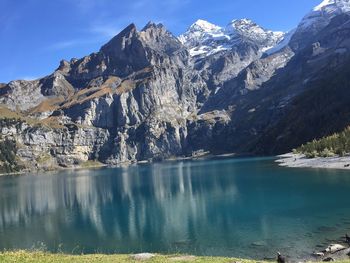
(204,38)
(241,24)
(317,19)
(250,30)
(152,25)
(159,39)
(64,66)
(121,39)
(199,32)
(204,26)
(321,15)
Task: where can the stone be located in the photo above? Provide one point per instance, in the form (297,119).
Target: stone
(334,248)
(142,256)
(318,254)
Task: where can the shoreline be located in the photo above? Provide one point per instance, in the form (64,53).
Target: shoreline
(59,169)
(290,160)
(300,161)
(200,156)
(46,257)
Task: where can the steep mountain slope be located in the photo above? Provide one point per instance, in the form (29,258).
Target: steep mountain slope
(261,98)
(138,89)
(310,102)
(148,95)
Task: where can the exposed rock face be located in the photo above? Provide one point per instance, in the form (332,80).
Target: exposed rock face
(148,95)
(41,147)
(21,94)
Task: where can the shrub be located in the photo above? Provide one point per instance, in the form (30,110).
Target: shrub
(8,161)
(336,144)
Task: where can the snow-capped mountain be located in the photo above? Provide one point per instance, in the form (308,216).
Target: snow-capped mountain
(321,15)
(141,97)
(204,38)
(317,19)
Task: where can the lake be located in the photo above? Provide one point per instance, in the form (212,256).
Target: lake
(244,207)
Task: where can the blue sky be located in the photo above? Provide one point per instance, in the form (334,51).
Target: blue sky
(36,34)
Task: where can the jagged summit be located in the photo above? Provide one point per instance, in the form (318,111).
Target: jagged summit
(204,38)
(248,29)
(321,15)
(238,24)
(317,19)
(152,24)
(126,33)
(204,25)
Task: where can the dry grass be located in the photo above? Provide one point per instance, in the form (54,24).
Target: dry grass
(125,86)
(51,122)
(7,113)
(91,164)
(51,104)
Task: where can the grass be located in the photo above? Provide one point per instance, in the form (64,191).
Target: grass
(17,116)
(7,113)
(44,257)
(91,164)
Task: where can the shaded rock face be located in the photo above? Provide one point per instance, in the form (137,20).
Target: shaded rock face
(146,96)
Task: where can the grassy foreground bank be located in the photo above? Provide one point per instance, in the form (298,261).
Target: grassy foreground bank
(43,257)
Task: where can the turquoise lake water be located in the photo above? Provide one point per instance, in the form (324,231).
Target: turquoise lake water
(245,207)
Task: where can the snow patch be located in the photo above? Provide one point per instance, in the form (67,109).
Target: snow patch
(323,4)
(282,44)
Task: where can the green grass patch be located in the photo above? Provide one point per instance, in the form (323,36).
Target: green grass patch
(91,164)
(43,257)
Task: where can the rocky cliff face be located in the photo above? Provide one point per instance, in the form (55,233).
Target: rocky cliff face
(148,95)
(43,147)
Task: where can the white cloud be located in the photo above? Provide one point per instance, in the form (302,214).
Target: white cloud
(72,43)
(105,30)
(63,45)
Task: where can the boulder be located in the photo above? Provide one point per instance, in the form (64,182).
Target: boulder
(142,256)
(334,248)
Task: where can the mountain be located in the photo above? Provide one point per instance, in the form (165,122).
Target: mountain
(318,18)
(149,95)
(205,39)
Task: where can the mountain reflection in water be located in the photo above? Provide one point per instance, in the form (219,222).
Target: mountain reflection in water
(233,207)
